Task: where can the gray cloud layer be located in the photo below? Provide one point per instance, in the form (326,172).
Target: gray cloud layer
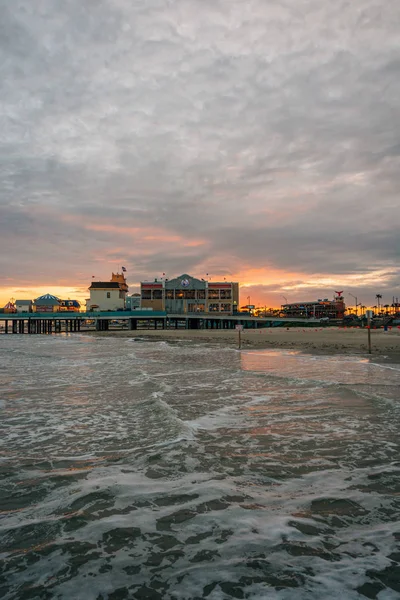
(269,131)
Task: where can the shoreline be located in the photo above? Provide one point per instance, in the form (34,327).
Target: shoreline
(324,340)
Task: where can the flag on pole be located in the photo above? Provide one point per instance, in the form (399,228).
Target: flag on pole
(124,269)
(163,273)
(93,276)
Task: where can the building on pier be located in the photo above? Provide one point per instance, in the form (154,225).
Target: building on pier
(50,304)
(108,295)
(46,303)
(70,305)
(9,308)
(133,302)
(120,278)
(186,294)
(23,306)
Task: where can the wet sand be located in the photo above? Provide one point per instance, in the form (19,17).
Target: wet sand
(327,340)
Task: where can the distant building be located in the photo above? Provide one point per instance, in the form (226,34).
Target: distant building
(9,308)
(317,309)
(47,303)
(70,305)
(23,306)
(108,295)
(120,278)
(186,294)
(133,302)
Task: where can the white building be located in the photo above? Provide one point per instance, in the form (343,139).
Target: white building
(106,295)
(23,306)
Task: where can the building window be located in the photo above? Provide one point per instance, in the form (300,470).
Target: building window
(226,295)
(189,294)
(213,307)
(178,294)
(226,308)
(195,308)
(201,294)
(213,294)
(157,294)
(169,294)
(146,294)
(108,294)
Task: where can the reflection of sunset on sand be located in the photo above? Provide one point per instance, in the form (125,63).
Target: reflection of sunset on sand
(331,340)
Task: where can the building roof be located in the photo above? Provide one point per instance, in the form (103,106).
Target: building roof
(185,281)
(120,278)
(73,303)
(23,302)
(48,299)
(314,303)
(100,285)
(188,282)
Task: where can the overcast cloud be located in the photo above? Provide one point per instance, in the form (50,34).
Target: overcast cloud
(255,140)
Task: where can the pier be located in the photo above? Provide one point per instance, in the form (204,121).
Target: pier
(69,322)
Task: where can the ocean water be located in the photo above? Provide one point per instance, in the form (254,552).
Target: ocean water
(152,470)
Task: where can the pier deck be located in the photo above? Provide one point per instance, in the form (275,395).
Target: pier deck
(46,323)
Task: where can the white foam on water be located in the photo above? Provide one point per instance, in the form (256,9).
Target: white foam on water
(229,476)
(226,417)
(255,400)
(185,372)
(381,366)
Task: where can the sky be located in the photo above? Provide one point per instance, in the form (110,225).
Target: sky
(257,141)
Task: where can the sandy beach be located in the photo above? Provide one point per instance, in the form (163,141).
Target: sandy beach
(327,340)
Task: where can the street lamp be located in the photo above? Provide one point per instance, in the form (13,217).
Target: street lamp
(286,300)
(248,304)
(355,298)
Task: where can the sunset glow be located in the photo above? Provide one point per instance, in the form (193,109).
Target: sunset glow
(218,140)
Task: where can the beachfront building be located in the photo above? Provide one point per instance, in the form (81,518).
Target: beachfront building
(47,303)
(317,309)
(108,295)
(186,294)
(23,306)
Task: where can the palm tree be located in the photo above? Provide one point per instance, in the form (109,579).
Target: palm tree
(362,307)
(387,306)
(378,297)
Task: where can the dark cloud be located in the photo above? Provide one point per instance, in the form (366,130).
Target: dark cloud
(266,133)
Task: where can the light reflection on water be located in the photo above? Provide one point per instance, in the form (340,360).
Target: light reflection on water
(152,470)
